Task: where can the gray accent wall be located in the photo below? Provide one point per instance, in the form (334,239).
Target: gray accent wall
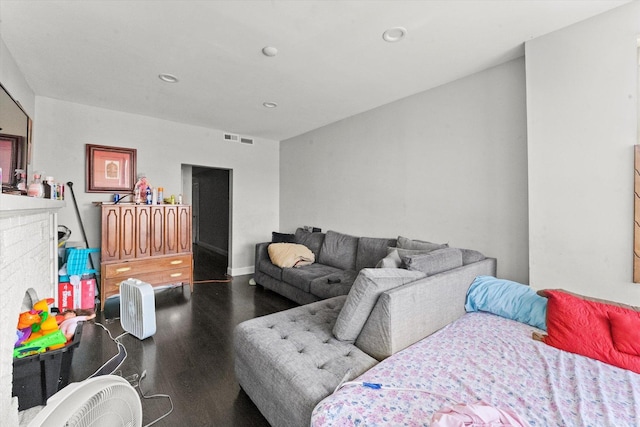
(448,165)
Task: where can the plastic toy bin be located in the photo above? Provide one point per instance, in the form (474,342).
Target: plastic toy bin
(36,378)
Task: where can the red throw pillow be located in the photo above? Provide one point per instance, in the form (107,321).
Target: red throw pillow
(582,325)
(625,331)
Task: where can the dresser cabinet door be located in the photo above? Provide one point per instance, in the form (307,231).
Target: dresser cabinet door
(157,230)
(128,241)
(171,229)
(184,229)
(110,250)
(143,231)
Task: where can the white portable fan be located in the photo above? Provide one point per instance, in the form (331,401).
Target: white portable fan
(105,401)
(137,308)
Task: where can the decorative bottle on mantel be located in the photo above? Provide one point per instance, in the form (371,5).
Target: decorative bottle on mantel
(36,189)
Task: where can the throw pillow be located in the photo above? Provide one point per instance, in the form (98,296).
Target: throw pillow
(625,328)
(394,257)
(582,325)
(362,297)
(508,299)
(434,262)
(311,240)
(406,243)
(287,255)
(282,237)
(470,256)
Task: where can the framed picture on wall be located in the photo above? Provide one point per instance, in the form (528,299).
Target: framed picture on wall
(110,169)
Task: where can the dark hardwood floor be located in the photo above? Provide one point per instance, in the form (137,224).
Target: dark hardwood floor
(190,357)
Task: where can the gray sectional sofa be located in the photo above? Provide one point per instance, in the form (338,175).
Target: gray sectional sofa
(338,259)
(288,361)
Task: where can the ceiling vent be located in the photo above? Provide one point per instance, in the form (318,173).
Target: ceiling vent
(231,137)
(245,140)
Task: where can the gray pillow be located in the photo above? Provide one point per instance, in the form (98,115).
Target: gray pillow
(406,243)
(470,256)
(369,284)
(394,256)
(434,262)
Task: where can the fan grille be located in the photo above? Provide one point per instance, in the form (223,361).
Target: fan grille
(111,406)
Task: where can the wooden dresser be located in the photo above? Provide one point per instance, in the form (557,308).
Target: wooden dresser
(151,243)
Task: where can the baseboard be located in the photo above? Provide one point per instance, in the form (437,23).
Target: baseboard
(241,271)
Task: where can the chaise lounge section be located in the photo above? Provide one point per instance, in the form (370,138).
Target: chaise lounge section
(288,361)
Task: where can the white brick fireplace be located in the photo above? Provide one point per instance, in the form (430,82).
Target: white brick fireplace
(28,261)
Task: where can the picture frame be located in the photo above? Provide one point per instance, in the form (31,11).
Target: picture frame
(110,169)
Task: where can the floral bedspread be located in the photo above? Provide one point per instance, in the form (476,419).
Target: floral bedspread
(483,358)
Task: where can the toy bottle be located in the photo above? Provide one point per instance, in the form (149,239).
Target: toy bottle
(36,189)
(22,179)
(148,195)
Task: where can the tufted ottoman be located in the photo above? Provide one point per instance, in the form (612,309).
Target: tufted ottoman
(289,361)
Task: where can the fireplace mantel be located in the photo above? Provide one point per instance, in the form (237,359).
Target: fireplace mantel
(10,204)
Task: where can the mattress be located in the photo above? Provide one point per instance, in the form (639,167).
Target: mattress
(484,358)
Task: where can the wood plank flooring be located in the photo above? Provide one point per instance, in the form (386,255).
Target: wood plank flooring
(190,357)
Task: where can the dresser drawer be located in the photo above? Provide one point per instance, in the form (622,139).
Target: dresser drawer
(178,275)
(136,267)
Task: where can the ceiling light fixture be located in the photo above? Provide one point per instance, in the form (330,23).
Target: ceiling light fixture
(168,78)
(270,104)
(269,51)
(394,34)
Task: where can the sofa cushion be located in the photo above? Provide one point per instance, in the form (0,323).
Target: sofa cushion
(289,360)
(339,250)
(311,240)
(282,237)
(333,285)
(434,262)
(267,267)
(302,277)
(371,250)
(369,284)
(286,255)
(394,256)
(406,243)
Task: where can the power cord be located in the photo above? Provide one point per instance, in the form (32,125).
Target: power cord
(119,358)
(153,396)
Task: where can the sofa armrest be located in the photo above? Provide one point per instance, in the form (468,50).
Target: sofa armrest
(404,315)
(261,253)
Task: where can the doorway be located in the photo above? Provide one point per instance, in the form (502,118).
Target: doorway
(210,196)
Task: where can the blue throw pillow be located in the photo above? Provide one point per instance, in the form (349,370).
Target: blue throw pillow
(507,299)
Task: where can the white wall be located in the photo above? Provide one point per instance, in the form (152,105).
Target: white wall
(582,119)
(13,81)
(63,129)
(446,165)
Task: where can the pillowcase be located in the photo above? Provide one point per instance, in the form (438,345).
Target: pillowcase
(435,261)
(508,299)
(282,237)
(583,325)
(369,284)
(287,255)
(406,243)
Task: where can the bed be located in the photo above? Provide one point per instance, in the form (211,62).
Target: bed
(485,358)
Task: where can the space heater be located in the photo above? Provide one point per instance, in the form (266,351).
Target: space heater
(137,308)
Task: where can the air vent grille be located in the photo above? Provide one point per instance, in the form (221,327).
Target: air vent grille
(246,140)
(231,137)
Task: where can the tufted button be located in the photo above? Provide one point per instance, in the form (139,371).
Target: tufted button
(284,337)
(313,313)
(271,327)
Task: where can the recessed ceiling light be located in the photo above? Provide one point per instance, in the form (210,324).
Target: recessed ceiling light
(395,34)
(269,51)
(270,104)
(168,78)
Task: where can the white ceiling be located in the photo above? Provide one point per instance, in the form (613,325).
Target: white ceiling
(332,61)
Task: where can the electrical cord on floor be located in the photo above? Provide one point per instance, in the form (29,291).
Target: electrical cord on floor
(228,280)
(119,358)
(153,396)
